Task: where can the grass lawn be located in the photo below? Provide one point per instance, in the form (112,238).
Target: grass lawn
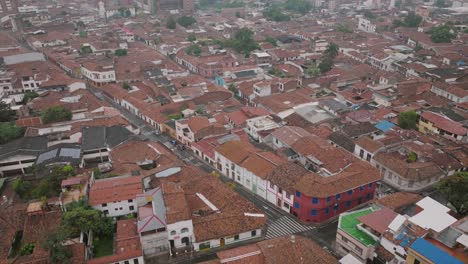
(103,246)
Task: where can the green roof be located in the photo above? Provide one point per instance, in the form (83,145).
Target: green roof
(349,222)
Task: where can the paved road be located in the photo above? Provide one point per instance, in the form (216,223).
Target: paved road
(279,223)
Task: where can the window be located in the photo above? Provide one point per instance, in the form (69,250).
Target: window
(298,194)
(296,205)
(327,210)
(361,153)
(236,237)
(315,200)
(184,230)
(106,212)
(416,261)
(338,196)
(348,203)
(130,201)
(368,157)
(126,262)
(361,188)
(131,208)
(280,190)
(328,199)
(205,245)
(350,192)
(116,209)
(254,233)
(369,196)
(173,233)
(313,212)
(344,239)
(104,205)
(371,184)
(135,261)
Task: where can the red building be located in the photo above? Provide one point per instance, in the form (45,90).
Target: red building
(338,183)
(310,206)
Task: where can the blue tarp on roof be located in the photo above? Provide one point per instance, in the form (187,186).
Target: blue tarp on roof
(384,126)
(433,253)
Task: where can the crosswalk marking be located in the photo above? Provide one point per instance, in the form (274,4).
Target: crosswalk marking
(285,226)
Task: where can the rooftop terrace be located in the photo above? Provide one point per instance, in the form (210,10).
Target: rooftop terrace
(349,222)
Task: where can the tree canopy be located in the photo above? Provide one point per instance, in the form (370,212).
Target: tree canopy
(411,20)
(56,114)
(408,119)
(9,131)
(81,217)
(271,40)
(194,50)
(298,6)
(171,23)
(332,50)
(326,64)
(243,41)
(6,114)
(442,34)
(186,21)
(454,189)
(275,14)
(120,52)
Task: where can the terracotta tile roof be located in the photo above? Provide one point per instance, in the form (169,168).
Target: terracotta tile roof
(286,175)
(379,220)
(412,171)
(289,134)
(11,220)
(369,144)
(250,254)
(115,189)
(399,200)
(261,164)
(177,206)
(29,122)
(357,174)
(196,123)
(235,151)
(332,159)
(445,123)
(294,249)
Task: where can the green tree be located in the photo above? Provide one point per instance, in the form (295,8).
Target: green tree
(186,21)
(28,96)
(440,3)
(243,41)
(120,52)
(85,218)
(128,13)
(9,131)
(54,243)
(194,50)
(343,28)
(83,34)
(368,14)
(326,64)
(27,249)
(455,189)
(56,114)
(86,50)
(275,14)
(271,40)
(191,37)
(238,14)
(313,71)
(408,119)
(171,23)
(412,19)
(442,34)
(298,6)
(412,157)
(126,86)
(6,114)
(332,50)
(80,24)
(21,187)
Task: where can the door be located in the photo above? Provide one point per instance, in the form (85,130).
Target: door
(222,242)
(278,202)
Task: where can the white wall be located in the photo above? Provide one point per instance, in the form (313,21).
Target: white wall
(229,240)
(273,195)
(99,77)
(118,208)
(174,232)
